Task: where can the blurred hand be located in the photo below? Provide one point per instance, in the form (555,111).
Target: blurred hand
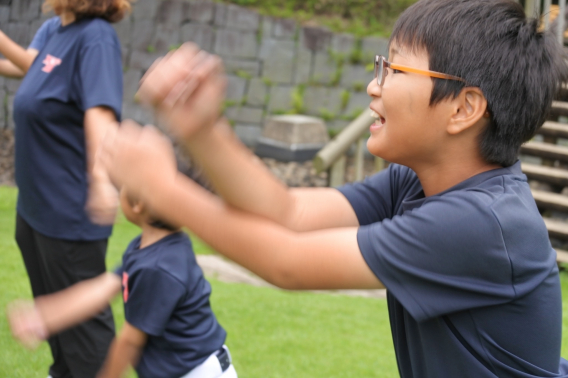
(26,323)
(102,202)
(138,158)
(187,88)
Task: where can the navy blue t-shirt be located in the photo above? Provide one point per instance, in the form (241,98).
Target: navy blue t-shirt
(166,296)
(78,67)
(472,280)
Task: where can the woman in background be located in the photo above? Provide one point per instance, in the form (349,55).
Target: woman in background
(70,95)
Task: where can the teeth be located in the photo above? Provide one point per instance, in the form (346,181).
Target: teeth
(374,114)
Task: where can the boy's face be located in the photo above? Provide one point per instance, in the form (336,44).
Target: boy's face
(408,130)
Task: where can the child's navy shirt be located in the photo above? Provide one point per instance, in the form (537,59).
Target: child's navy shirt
(79,66)
(166,296)
(472,280)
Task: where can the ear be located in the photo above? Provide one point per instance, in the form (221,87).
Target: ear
(468,109)
(138,207)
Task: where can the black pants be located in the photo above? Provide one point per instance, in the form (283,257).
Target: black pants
(53,265)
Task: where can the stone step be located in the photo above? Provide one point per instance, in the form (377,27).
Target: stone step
(550,201)
(559,108)
(555,176)
(554,130)
(562,256)
(556,228)
(545,150)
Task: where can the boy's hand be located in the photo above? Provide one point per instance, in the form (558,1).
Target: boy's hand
(187,88)
(26,324)
(140,158)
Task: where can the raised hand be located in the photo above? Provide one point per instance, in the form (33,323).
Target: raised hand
(187,88)
(138,157)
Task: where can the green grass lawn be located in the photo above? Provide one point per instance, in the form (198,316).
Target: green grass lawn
(271,333)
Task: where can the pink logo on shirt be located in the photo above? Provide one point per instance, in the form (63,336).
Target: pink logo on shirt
(50,63)
(125,286)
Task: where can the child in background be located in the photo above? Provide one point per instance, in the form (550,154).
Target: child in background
(170,330)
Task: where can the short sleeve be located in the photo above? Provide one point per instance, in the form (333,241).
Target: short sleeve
(446,256)
(378,197)
(43,33)
(151,297)
(101,75)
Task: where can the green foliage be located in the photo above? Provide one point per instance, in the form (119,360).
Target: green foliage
(267,81)
(358,86)
(358,17)
(151,49)
(243,74)
(327,115)
(351,116)
(174,47)
(333,132)
(356,56)
(228,104)
(345,97)
(298,99)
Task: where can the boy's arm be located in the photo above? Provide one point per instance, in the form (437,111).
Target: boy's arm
(143,161)
(18,60)
(124,351)
(187,88)
(53,313)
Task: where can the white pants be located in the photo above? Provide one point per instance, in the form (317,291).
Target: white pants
(211,368)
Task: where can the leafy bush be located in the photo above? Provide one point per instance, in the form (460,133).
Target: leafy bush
(359,17)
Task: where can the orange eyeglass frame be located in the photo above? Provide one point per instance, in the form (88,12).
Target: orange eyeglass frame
(381,65)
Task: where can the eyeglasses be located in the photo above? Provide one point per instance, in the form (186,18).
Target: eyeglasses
(382,65)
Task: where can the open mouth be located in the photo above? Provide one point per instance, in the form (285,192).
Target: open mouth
(378,117)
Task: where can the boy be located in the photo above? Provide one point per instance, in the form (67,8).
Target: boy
(170,330)
(450,229)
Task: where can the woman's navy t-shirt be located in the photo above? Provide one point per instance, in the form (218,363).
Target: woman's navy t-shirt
(166,296)
(78,67)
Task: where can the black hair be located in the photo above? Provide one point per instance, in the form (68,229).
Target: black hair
(492,45)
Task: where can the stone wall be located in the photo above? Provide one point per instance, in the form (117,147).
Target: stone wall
(274,66)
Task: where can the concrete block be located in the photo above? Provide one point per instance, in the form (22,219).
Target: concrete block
(359,101)
(267,27)
(257,92)
(131,80)
(201,11)
(280,98)
(10,112)
(142,34)
(145,10)
(142,60)
(240,45)
(318,99)
(353,74)
(124,30)
(239,18)
(4,14)
(25,10)
(138,113)
(237,66)
(315,39)
(248,134)
(33,28)
(343,43)
(236,88)
(3,100)
(18,32)
(201,34)
(12,85)
(337,124)
(303,67)
(372,46)
(165,39)
(278,57)
(324,69)
(170,13)
(245,114)
(292,138)
(284,28)
(220,15)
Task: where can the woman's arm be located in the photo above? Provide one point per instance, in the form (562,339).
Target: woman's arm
(142,160)
(18,60)
(102,202)
(187,87)
(124,351)
(50,314)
